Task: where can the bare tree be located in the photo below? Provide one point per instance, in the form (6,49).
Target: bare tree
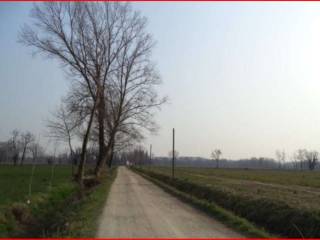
(124,139)
(301,157)
(105,47)
(26,139)
(15,146)
(36,150)
(215,155)
(131,95)
(136,156)
(69,33)
(280,156)
(312,159)
(295,160)
(82,109)
(62,126)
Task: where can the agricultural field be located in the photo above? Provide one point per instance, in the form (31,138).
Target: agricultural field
(298,189)
(285,203)
(54,201)
(15,181)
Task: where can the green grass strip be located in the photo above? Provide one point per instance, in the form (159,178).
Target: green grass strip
(85,219)
(61,212)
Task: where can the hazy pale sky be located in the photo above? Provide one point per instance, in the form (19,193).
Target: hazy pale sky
(243,77)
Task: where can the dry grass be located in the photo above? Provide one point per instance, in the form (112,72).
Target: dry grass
(297,189)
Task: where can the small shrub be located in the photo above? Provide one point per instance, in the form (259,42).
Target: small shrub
(20,212)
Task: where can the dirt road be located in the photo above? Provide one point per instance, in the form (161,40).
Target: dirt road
(138,208)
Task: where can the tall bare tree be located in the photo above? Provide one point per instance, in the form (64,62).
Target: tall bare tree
(36,150)
(26,139)
(301,157)
(126,137)
(62,127)
(312,159)
(281,157)
(215,155)
(295,160)
(15,146)
(104,46)
(69,33)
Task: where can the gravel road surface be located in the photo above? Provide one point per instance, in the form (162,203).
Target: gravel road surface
(137,208)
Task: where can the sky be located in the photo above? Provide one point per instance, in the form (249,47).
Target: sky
(242,77)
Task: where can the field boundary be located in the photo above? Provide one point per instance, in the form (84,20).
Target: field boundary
(237,223)
(274,216)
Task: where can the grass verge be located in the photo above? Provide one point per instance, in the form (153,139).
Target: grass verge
(275,216)
(239,224)
(61,212)
(84,220)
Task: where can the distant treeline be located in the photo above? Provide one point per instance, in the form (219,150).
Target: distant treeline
(251,163)
(305,160)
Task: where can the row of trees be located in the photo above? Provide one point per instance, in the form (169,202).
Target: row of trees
(19,145)
(106,52)
(301,159)
(136,156)
(304,158)
(215,155)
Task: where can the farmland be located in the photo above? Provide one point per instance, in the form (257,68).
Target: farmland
(269,198)
(298,189)
(54,201)
(14,181)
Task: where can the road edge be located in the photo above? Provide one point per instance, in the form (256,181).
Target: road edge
(226,217)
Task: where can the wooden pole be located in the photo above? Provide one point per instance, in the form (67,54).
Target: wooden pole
(173,153)
(150,153)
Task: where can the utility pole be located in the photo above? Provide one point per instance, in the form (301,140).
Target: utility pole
(150,153)
(173,153)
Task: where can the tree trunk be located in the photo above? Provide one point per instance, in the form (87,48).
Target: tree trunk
(110,155)
(15,159)
(101,119)
(71,156)
(80,173)
(23,155)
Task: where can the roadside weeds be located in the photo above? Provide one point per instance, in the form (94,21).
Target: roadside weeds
(62,212)
(239,224)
